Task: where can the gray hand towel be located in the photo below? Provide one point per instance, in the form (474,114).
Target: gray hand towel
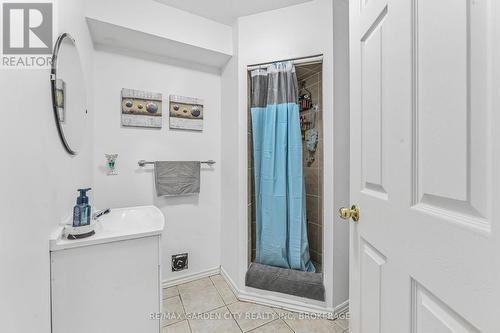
(177,178)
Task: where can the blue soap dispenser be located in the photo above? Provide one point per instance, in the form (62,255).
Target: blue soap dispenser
(81,211)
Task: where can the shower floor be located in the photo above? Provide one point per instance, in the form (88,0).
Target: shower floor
(208,305)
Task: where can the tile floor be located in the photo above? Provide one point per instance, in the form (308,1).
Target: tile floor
(208,305)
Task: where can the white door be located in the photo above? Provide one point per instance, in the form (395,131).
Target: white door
(425,147)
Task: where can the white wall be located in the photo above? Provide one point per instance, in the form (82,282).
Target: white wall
(38,182)
(229,165)
(297,31)
(193,222)
(341,149)
(161,20)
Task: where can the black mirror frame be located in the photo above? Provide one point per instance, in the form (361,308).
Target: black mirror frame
(53,85)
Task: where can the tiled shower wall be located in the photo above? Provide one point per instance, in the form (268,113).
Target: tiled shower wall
(313,172)
(313,165)
(251,194)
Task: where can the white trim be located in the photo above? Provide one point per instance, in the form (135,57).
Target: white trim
(190,277)
(269,300)
(230,282)
(283,303)
(342,308)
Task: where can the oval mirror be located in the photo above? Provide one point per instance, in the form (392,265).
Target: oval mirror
(68,93)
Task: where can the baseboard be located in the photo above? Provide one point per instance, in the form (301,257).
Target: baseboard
(283,303)
(190,277)
(268,300)
(342,308)
(230,282)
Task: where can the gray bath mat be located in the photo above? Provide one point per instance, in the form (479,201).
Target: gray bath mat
(287,281)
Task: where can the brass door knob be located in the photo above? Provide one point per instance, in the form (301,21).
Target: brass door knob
(349,213)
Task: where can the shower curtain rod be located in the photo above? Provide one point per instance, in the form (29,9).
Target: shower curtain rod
(302,60)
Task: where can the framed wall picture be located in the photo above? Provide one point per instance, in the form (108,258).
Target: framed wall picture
(186,113)
(141,108)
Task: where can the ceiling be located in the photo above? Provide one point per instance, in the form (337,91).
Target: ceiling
(227,11)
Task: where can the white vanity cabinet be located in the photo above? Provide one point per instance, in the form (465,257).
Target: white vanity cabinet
(110,282)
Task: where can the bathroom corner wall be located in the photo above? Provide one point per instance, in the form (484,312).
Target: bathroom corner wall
(38,181)
(230,181)
(341,148)
(192,223)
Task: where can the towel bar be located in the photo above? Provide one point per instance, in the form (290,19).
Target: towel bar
(144,162)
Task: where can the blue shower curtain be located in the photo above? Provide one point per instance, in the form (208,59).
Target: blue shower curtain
(281,225)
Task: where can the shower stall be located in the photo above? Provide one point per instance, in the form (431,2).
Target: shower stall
(285,176)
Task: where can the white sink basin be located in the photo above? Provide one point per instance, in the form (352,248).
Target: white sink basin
(119,224)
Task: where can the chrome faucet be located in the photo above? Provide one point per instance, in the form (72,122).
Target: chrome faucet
(100,213)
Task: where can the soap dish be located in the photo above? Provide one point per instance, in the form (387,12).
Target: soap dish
(80,232)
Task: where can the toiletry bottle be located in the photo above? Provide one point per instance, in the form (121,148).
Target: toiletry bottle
(86,214)
(81,212)
(77,213)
